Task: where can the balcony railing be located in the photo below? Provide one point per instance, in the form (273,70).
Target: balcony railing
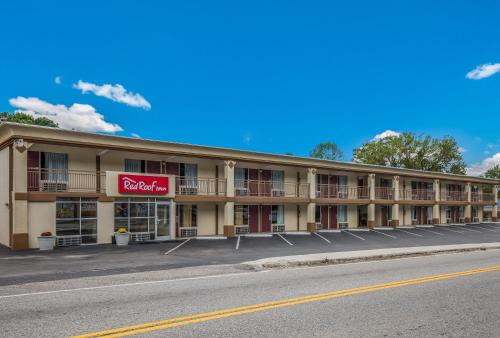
(417,195)
(62,180)
(205,186)
(383,193)
(453,196)
(482,197)
(341,191)
(270,188)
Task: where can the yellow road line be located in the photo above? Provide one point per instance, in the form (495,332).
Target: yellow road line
(203,317)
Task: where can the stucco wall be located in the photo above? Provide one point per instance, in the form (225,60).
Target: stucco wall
(42,218)
(4,196)
(105,222)
(206,219)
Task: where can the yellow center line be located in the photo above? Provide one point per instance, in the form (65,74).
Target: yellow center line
(203,317)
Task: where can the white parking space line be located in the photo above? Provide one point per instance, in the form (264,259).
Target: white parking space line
(448,229)
(431,231)
(409,233)
(487,229)
(286,240)
(326,239)
(178,246)
(387,235)
(238,243)
(469,229)
(350,233)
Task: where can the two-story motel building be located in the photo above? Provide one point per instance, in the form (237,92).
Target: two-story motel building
(73,185)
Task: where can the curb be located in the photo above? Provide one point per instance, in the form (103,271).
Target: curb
(364,255)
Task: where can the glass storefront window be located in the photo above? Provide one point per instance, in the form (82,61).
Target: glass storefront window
(77,217)
(135,214)
(241,215)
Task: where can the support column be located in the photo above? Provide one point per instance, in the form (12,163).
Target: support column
(371,206)
(467,211)
(435,207)
(494,216)
(229,230)
(311,206)
(171,221)
(19,237)
(395,206)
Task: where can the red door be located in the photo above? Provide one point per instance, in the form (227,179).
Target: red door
(265,182)
(253,184)
(324,217)
(333,217)
(384,210)
(265,219)
(253,218)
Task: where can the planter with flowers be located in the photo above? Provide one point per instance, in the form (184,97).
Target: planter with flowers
(122,237)
(46,241)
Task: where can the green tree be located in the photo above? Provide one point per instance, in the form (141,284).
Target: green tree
(493,172)
(27,119)
(327,151)
(413,152)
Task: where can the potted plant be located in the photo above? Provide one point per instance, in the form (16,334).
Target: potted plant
(46,241)
(122,237)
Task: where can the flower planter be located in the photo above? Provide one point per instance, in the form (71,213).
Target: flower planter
(46,243)
(122,239)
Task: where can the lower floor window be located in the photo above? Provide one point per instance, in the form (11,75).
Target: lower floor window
(342,213)
(241,215)
(277,215)
(188,215)
(135,214)
(77,216)
(474,212)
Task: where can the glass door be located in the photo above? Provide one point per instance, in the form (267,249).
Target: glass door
(162,220)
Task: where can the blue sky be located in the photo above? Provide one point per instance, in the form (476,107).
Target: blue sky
(274,76)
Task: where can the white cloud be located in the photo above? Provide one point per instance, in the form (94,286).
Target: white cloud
(78,117)
(481,167)
(135,135)
(58,80)
(385,134)
(462,150)
(116,93)
(483,71)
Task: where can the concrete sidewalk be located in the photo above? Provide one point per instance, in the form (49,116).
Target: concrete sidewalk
(364,255)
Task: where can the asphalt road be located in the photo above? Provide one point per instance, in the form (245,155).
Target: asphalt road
(102,260)
(456,305)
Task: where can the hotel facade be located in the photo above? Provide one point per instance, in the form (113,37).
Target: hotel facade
(83,186)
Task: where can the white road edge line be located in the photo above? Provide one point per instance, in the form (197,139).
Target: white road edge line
(380,232)
(178,246)
(131,284)
(434,232)
(238,243)
(326,239)
(350,233)
(286,240)
(410,233)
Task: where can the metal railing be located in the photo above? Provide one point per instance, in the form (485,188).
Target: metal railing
(454,196)
(185,185)
(417,195)
(341,191)
(384,193)
(62,180)
(270,188)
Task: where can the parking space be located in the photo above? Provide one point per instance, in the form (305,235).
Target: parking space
(94,260)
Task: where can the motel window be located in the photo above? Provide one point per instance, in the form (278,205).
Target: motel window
(448,213)
(188,215)
(241,215)
(413,213)
(462,212)
(135,166)
(278,180)
(189,176)
(342,213)
(317,214)
(135,214)
(77,217)
(241,180)
(277,215)
(474,212)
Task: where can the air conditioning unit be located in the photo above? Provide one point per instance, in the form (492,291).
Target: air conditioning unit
(188,232)
(241,229)
(69,241)
(475,220)
(448,220)
(429,221)
(461,220)
(140,236)
(277,193)
(53,186)
(343,225)
(241,191)
(319,226)
(278,228)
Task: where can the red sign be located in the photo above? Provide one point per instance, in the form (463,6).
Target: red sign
(143,185)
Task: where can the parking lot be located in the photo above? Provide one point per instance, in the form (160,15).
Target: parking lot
(27,266)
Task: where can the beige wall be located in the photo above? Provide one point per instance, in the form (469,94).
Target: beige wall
(42,218)
(352,216)
(206,219)
(105,222)
(4,196)
(290,216)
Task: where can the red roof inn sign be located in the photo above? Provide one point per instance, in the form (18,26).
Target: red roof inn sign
(142,185)
(127,184)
